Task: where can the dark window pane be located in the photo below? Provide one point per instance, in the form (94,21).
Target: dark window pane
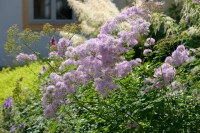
(42,9)
(63,11)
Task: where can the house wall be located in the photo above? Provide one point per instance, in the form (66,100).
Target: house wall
(10,14)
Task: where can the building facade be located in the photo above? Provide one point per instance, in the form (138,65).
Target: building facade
(31,14)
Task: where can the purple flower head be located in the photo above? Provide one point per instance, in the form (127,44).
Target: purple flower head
(8,103)
(121,17)
(136,62)
(50,89)
(12,129)
(104,85)
(180,48)
(169,60)
(123,68)
(54,55)
(147,52)
(63,43)
(54,77)
(180,55)
(149,42)
(108,27)
(44,68)
(141,26)
(25,57)
(32,57)
(166,72)
(53,41)
(133,11)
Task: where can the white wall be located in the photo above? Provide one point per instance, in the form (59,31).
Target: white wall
(10,13)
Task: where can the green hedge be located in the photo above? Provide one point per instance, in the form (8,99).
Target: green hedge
(9,77)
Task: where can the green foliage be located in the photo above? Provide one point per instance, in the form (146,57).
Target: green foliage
(133,107)
(128,109)
(9,77)
(17,40)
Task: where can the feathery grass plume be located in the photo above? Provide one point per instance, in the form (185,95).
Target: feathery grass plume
(190,13)
(93,13)
(77,39)
(170,26)
(152,5)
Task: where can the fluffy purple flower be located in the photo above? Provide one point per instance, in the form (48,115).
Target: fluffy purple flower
(108,27)
(98,59)
(63,43)
(32,57)
(25,57)
(123,68)
(149,42)
(54,77)
(141,26)
(129,37)
(136,62)
(166,71)
(169,60)
(54,55)
(103,86)
(12,129)
(120,18)
(66,63)
(50,89)
(180,55)
(8,103)
(147,52)
(180,48)
(133,11)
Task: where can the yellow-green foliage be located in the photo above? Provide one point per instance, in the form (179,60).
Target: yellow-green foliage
(8,79)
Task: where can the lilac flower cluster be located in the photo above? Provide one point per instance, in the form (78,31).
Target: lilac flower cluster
(25,57)
(62,45)
(147,52)
(139,23)
(179,56)
(196,1)
(167,72)
(54,55)
(149,42)
(58,49)
(8,103)
(98,59)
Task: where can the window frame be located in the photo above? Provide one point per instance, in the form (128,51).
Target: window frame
(37,24)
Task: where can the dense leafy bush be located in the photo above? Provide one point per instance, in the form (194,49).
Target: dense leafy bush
(121,81)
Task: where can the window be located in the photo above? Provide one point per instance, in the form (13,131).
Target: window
(38,12)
